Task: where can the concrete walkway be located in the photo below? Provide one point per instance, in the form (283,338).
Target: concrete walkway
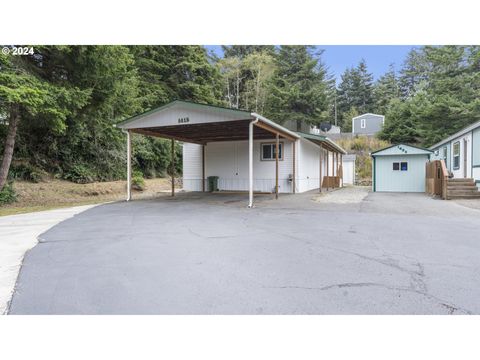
(19,233)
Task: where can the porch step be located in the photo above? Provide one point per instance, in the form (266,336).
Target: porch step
(462,189)
(464,192)
(471,196)
(461,180)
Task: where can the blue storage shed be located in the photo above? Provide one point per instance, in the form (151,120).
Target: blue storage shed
(400,168)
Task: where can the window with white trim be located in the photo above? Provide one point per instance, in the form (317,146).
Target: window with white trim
(268,151)
(456,155)
(363,123)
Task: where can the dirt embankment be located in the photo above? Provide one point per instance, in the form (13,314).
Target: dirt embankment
(59,193)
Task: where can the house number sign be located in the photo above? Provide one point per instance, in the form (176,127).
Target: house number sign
(183,120)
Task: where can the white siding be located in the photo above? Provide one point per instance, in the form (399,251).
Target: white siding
(229,161)
(412,180)
(308,166)
(192,167)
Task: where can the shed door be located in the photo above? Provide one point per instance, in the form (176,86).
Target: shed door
(400,173)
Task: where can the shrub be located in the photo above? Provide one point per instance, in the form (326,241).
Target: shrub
(80,174)
(26,172)
(7,194)
(138,183)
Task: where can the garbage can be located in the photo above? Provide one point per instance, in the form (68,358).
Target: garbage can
(212,183)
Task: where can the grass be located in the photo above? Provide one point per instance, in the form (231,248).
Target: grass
(55,194)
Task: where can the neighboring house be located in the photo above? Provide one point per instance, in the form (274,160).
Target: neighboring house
(461,152)
(400,168)
(367,124)
(239,148)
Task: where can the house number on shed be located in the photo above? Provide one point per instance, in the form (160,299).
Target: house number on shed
(183,120)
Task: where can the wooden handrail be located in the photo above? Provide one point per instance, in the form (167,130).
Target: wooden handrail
(444,178)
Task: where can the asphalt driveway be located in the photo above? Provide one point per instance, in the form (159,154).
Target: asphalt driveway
(208,254)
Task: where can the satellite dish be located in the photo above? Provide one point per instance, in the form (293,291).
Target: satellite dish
(325,127)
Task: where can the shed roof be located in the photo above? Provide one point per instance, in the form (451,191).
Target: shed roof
(401,149)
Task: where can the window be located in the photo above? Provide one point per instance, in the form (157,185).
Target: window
(456,155)
(363,124)
(400,166)
(268,151)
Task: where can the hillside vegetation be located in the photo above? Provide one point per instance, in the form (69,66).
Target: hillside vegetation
(362,146)
(59,104)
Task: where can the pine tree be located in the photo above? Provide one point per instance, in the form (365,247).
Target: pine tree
(385,90)
(300,88)
(355,91)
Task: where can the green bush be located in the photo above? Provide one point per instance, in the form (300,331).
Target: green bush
(80,174)
(138,183)
(7,194)
(26,172)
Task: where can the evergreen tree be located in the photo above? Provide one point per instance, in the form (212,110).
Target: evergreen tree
(300,89)
(242,51)
(385,90)
(355,91)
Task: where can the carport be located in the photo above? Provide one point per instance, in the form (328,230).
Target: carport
(201,124)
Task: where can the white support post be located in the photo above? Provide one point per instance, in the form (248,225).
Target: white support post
(250,164)
(129,166)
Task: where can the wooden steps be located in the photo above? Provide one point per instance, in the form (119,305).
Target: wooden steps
(462,189)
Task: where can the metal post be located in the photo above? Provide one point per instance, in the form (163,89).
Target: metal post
(277,146)
(250,164)
(337,168)
(341,167)
(129,166)
(173,167)
(294,166)
(320,170)
(328,178)
(203,168)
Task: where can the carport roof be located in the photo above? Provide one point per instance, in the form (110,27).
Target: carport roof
(324,141)
(202,123)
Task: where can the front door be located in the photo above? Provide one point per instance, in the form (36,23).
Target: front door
(464,158)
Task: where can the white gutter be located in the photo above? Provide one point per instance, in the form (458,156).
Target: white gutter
(274,125)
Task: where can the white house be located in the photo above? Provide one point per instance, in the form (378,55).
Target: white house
(461,152)
(239,148)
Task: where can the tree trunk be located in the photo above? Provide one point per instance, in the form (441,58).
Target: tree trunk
(9,144)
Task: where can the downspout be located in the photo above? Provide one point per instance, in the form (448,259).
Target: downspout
(250,162)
